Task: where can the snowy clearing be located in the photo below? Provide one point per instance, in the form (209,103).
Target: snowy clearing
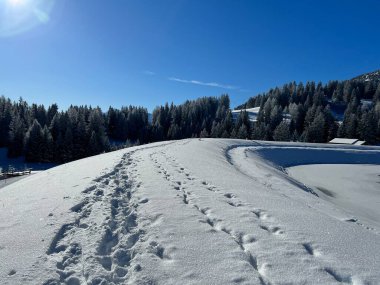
(208,211)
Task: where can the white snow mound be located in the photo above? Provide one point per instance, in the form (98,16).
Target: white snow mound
(208,211)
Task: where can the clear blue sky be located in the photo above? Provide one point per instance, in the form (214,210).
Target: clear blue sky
(142,52)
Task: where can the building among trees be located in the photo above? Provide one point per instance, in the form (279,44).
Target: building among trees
(347,141)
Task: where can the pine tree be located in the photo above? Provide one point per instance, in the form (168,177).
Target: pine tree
(47,146)
(227,125)
(351,124)
(204,133)
(282,132)
(215,130)
(51,112)
(97,128)
(16,136)
(258,131)
(68,145)
(275,117)
(34,142)
(316,131)
(367,127)
(94,146)
(80,139)
(242,132)
(55,126)
(338,94)
(174,132)
(376,96)
(5,120)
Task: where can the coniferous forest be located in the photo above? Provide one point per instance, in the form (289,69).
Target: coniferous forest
(296,112)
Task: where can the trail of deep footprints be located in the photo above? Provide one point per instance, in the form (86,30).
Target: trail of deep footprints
(241,240)
(264,220)
(101,252)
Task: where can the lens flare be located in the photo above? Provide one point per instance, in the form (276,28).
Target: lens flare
(16,2)
(19,16)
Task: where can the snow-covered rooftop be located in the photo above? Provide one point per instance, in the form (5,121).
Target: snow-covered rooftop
(249,110)
(343,141)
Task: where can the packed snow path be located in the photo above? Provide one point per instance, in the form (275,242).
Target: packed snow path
(184,212)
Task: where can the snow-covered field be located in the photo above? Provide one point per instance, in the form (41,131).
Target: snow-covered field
(195,212)
(354,188)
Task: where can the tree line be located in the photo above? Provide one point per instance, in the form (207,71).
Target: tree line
(295,112)
(49,135)
(318,113)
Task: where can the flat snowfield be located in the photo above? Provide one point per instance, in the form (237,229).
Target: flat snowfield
(355,188)
(208,211)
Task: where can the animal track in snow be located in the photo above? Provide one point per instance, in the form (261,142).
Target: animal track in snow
(12,272)
(338,277)
(158,250)
(272,230)
(229,195)
(262,215)
(241,240)
(233,204)
(310,249)
(185,198)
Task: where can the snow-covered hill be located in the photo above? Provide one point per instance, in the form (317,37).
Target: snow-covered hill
(189,212)
(252,113)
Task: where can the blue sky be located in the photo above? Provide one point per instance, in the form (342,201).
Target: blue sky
(148,52)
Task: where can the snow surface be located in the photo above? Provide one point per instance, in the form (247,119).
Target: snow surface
(355,188)
(207,211)
(10,180)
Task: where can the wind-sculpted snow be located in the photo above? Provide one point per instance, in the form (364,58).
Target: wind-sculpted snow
(185,212)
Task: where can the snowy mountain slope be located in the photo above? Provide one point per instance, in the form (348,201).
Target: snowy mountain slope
(186,212)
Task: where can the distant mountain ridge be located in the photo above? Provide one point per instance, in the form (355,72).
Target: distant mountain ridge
(370,76)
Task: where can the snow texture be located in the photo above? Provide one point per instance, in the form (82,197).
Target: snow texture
(189,212)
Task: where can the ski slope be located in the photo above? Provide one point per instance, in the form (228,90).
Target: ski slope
(208,211)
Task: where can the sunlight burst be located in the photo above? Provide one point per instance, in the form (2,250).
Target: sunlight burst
(16,2)
(19,16)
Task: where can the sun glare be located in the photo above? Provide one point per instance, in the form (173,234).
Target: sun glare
(16,2)
(19,16)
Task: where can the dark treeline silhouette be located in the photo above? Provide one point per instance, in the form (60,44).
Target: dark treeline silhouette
(50,135)
(295,112)
(318,113)
(204,117)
